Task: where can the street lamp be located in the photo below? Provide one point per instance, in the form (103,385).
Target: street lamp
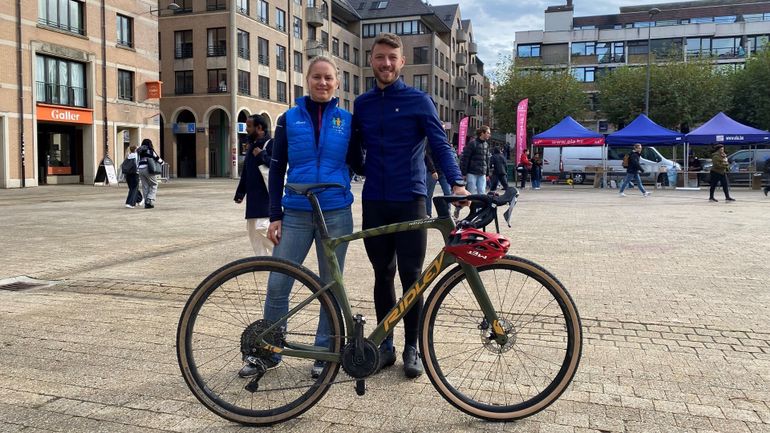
(652,12)
(172,7)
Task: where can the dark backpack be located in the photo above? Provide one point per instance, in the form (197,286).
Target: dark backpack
(128,166)
(625,161)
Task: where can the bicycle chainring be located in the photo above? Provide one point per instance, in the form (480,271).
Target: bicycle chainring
(364,364)
(250,341)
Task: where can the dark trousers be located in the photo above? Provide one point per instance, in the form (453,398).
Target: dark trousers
(523,172)
(502,179)
(717,178)
(134,196)
(405,249)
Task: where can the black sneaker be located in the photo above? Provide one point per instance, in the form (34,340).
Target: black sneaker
(387,357)
(255,365)
(317,369)
(766,190)
(412,362)
(729,199)
(713,199)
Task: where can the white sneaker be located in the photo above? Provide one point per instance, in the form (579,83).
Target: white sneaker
(621,194)
(646,194)
(128,206)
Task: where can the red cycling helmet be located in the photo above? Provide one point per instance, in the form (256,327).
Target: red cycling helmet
(476,247)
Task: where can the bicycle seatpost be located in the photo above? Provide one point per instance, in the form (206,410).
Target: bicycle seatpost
(318,216)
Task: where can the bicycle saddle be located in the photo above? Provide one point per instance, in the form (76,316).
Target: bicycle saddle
(304,188)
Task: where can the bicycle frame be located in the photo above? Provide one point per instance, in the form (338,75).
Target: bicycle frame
(385,327)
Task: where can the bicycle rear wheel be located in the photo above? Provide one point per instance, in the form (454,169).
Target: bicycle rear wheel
(220,323)
(501,382)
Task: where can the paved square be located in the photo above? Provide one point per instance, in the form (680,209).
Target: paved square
(672,291)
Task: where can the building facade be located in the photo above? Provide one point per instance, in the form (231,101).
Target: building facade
(213,84)
(724,31)
(75,87)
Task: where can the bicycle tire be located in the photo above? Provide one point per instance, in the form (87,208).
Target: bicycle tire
(558,329)
(224,330)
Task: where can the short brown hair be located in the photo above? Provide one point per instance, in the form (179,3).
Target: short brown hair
(390,39)
(482,129)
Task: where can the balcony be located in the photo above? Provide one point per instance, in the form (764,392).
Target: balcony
(314,17)
(244,53)
(51,93)
(220,88)
(461,35)
(461,59)
(473,69)
(472,91)
(314,48)
(218,50)
(460,105)
(473,47)
(460,83)
(183,52)
(78,30)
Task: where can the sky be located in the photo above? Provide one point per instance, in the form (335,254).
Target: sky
(495,22)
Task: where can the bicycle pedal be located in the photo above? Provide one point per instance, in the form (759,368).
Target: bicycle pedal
(360,387)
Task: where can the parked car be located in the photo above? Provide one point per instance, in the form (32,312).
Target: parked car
(740,162)
(575,160)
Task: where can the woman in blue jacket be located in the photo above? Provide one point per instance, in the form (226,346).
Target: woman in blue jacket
(312,139)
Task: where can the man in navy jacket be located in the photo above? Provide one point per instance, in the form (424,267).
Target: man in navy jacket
(391,122)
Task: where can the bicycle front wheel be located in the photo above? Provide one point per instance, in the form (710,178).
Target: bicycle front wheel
(493,381)
(219,328)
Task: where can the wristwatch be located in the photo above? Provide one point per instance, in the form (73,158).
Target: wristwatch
(459,182)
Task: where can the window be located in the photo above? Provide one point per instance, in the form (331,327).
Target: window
(298,92)
(346,81)
(309,2)
(758,43)
(379,5)
(217,80)
(528,50)
(242,6)
(371,82)
(421,82)
(264,87)
(280,89)
(311,33)
(125,31)
(297,28)
(185,7)
(263,12)
(412,27)
(356,57)
(726,47)
(243,45)
(435,85)
(420,56)
(64,15)
(336,47)
(345,51)
(280,57)
(183,44)
(435,56)
(215,5)
(298,62)
(442,64)
(280,20)
(697,47)
(668,47)
(183,82)
(244,82)
(637,47)
(579,49)
(325,39)
(610,52)
(217,42)
(125,85)
(368,58)
(263,51)
(584,75)
(347,104)
(441,89)
(60,82)
(356,85)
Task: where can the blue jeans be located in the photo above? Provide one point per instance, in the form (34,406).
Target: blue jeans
(537,176)
(477,183)
(632,178)
(297,234)
(431,185)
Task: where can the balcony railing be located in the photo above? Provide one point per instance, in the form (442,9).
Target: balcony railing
(244,53)
(280,64)
(244,90)
(722,53)
(473,48)
(473,69)
(183,52)
(263,59)
(607,58)
(461,59)
(61,26)
(314,17)
(216,7)
(50,93)
(221,88)
(216,50)
(185,89)
(461,35)
(242,10)
(461,83)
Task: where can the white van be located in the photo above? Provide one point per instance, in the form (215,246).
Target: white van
(576,159)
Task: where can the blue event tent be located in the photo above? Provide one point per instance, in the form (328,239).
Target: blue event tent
(568,132)
(724,130)
(645,131)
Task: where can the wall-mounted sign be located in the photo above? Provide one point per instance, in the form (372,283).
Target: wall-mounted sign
(242,127)
(183,128)
(153,89)
(56,113)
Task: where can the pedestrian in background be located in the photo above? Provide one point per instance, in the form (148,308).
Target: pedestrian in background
(145,152)
(718,175)
(523,168)
(497,170)
(252,185)
(634,171)
(474,161)
(537,171)
(434,175)
(130,169)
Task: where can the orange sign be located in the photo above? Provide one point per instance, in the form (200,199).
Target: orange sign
(153,89)
(57,113)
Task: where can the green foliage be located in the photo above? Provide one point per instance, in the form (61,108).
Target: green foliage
(680,92)
(751,92)
(552,95)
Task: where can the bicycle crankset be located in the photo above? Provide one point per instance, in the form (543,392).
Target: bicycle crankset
(360,357)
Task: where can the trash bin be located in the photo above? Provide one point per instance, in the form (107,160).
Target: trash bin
(511,172)
(672,175)
(756,181)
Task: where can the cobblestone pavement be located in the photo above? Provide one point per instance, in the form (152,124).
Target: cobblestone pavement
(672,291)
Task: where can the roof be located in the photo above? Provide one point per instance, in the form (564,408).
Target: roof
(645,131)
(446,11)
(722,129)
(392,9)
(347,7)
(676,11)
(466,24)
(568,133)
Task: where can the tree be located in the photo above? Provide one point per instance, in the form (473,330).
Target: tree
(680,93)
(751,92)
(552,95)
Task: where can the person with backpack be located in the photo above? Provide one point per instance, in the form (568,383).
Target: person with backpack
(633,171)
(129,167)
(148,171)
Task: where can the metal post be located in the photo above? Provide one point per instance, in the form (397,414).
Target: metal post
(652,12)
(233,87)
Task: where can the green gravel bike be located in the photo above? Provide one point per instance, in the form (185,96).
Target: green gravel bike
(499,341)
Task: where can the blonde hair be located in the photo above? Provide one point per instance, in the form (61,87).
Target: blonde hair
(318,59)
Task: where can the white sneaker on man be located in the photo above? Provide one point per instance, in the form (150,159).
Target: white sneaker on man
(128,206)
(621,194)
(646,194)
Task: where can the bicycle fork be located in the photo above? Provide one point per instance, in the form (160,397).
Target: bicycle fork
(491,319)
